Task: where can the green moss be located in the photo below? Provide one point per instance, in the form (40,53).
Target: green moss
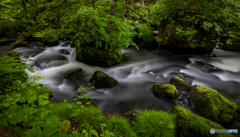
(13,53)
(66,126)
(6,131)
(154,123)
(165,90)
(20,42)
(192,125)
(101,80)
(212,105)
(4,41)
(181,82)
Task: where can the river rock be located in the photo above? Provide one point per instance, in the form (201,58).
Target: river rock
(212,105)
(13,53)
(102,80)
(6,131)
(212,55)
(20,43)
(151,72)
(190,124)
(73,74)
(206,67)
(179,44)
(132,113)
(165,90)
(126,56)
(162,52)
(182,82)
(64,51)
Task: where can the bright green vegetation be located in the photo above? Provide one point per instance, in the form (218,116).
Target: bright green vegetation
(155,124)
(212,104)
(165,90)
(190,124)
(182,83)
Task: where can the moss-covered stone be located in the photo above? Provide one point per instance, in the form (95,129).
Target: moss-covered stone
(181,82)
(20,43)
(179,44)
(5,41)
(6,131)
(102,80)
(13,53)
(212,105)
(99,57)
(165,90)
(66,126)
(190,124)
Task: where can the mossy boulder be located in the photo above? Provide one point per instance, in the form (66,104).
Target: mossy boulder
(66,126)
(190,124)
(5,41)
(13,53)
(6,131)
(102,80)
(181,82)
(179,44)
(212,105)
(98,56)
(206,67)
(235,46)
(20,43)
(165,90)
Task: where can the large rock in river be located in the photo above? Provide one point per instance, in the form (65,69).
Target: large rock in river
(165,90)
(181,82)
(98,56)
(190,124)
(179,43)
(212,105)
(102,80)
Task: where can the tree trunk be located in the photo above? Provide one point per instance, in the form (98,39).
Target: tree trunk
(93,4)
(24,5)
(128,8)
(124,1)
(112,10)
(143,5)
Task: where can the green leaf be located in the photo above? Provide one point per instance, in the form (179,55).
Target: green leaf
(34,132)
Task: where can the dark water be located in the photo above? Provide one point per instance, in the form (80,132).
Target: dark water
(133,90)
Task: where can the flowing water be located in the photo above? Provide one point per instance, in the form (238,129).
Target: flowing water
(133,90)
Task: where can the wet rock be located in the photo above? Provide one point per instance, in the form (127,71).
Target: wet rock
(150,72)
(190,124)
(165,90)
(6,131)
(73,74)
(20,43)
(64,51)
(212,55)
(126,56)
(212,105)
(206,67)
(132,113)
(102,80)
(182,82)
(36,44)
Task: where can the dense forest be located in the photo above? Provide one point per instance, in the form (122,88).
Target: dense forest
(98,30)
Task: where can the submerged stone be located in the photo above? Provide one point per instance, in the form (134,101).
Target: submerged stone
(20,43)
(165,90)
(13,53)
(182,82)
(212,105)
(102,80)
(190,124)
(206,67)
